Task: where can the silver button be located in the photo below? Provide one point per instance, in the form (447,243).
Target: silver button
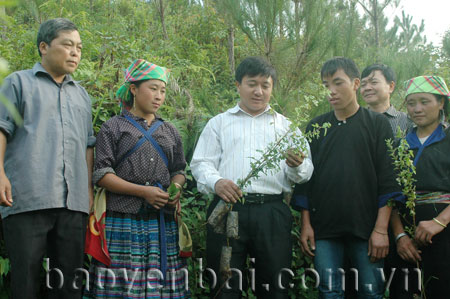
(151,159)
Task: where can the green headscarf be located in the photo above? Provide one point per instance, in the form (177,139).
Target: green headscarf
(140,70)
(428,84)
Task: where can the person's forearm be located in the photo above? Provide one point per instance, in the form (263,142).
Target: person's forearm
(305,218)
(382,221)
(396,223)
(115,184)
(444,216)
(5,185)
(90,164)
(178,179)
(3,142)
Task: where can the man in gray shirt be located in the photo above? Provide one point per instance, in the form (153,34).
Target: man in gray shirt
(46,166)
(377,85)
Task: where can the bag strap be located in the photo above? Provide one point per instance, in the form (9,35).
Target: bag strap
(147,136)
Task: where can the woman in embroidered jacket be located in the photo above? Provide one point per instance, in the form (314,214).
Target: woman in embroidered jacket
(427,100)
(138,155)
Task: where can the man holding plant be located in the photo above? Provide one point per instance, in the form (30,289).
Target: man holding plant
(227,146)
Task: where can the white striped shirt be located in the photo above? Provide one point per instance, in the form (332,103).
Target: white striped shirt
(228,142)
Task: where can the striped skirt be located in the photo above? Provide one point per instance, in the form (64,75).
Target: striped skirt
(134,247)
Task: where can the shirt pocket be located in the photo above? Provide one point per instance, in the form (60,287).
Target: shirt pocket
(79,115)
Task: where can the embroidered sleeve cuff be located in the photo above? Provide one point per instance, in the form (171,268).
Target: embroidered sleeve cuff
(100,173)
(299,202)
(397,197)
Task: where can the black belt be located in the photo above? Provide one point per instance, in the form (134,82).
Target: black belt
(258,198)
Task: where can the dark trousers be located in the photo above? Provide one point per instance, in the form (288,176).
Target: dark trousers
(399,288)
(435,268)
(265,236)
(58,234)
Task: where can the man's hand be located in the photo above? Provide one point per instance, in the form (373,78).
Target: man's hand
(294,160)
(307,241)
(407,250)
(425,231)
(156,197)
(5,191)
(378,245)
(228,190)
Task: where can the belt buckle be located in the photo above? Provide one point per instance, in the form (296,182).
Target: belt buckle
(257,199)
(261,201)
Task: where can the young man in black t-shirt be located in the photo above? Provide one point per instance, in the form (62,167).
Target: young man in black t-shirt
(343,206)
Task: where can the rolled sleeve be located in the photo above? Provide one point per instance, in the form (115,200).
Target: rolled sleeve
(98,174)
(172,174)
(105,157)
(7,128)
(91,141)
(10,96)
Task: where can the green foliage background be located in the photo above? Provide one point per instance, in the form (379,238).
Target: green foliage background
(201,41)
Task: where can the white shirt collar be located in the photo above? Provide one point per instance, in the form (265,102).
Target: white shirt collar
(238,108)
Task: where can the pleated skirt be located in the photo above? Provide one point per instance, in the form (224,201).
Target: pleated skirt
(133,242)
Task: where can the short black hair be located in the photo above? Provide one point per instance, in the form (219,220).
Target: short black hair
(332,65)
(49,30)
(387,72)
(254,66)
